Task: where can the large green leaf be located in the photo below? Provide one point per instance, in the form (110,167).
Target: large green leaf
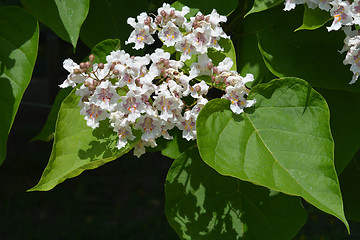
(283,143)
(262,5)
(78,147)
(64,17)
(314,18)
(19,36)
(311,55)
(100,51)
(344,122)
(107,19)
(202,204)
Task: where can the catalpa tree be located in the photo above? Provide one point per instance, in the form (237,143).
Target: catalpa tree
(255,102)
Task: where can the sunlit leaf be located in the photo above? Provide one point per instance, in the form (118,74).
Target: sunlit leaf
(78,147)
(283,143)
(64,17)
(19,36)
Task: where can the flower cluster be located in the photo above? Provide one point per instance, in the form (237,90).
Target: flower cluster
(147,93)
(345,15)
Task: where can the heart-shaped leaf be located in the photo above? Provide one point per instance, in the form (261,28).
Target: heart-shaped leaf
(283,143)
(19,37)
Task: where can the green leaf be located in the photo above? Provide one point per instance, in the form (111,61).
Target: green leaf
(206,6)
(262,5)
(104,48)
(283,143)
(174,147)
(47,132)
(229,51)
(314,18)
(78,147)
(107,20)
(64,17)
(344,122)
(19,36)
(311,55)
(202,204)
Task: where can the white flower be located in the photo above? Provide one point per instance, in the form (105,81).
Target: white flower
(73,78)
(200,67)
(188,126)
(341,13)
(93,114)
(105,96)
(142,32)
(170,34)
(236,95)
(199,89)
(132,105)
(165,103)
(150,126)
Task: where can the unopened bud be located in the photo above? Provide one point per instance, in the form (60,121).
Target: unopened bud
(91,87)
(158,20)
(166,62)
(147,21)
(86,84)
(85,99)
(83,70)
(207,19)
(91,57)
(197,88)
(213,78)
(215,70)
(112,67)
(116,72)
(101,65)
(88,64)
(172,13)
(77,71)
(162,60)
(96,83)
(198,17)
(217,82)
(209,65)
(163,13)
(195,24)
(137,81)
(82,65)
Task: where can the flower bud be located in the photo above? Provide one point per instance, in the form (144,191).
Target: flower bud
(213,78)
(116,72)
(77,71)
(158,20)
(172,13)
(82,65)
(166,63)
(112,67)
(217,81)
(96,83)
(88,64)
(215,70)
(101,65)
(209,65)
(86,84)
(163,13)
(207,19)
(195,24)
(199,18)
(91,87)
(147,21)
(85,99)
(91,57)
